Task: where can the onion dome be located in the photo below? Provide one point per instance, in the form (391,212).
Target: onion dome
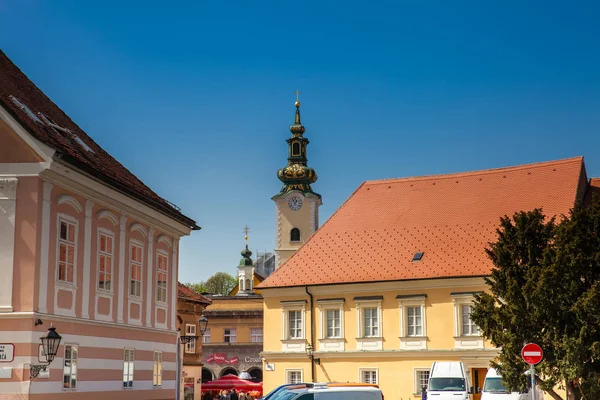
(246,261)
(296,175)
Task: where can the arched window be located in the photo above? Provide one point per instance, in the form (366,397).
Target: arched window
(242,284)
(295,235)
(295,149)
(248,286)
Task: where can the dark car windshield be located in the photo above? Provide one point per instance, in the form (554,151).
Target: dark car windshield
(494,385)
(447,384)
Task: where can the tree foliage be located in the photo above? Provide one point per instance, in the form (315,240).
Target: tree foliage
(545,289)
(220,283)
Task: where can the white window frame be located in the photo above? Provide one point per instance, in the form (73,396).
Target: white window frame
(68,219)
(73,363)
(334,343)
(256,335)
(417,379)
(157,369)
(472,326)
(164,287)
(361,372)
(232,334)
(288,373)
(190,330)
(412,342)
(139,244)
(464,341)
(206,336)
(111,255)
(128,367)
(368,342)
(293,344)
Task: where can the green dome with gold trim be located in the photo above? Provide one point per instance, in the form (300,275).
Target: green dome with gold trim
(297,176)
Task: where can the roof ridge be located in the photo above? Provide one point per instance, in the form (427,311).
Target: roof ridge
(476,172)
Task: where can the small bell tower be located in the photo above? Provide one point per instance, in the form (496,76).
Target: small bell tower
(246,270)
(296,205)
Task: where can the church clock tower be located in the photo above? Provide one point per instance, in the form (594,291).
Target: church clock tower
(296,205)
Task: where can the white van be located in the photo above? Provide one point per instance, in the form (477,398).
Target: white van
(494,389)
(447,381)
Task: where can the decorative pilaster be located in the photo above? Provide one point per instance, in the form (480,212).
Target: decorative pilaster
(151,279)
(121,295)
(45,247)
(174,266)
(87,259)
(8,196)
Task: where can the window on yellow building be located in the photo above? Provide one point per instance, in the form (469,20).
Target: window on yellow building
(293,376)
(371,322)
(421,380)
(293,320)
(295,325)
(334,326)
(469,328)
(206,336)
(229,335)
(256,335)
(414,321)
(368,375)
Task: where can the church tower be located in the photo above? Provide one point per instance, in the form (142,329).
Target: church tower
(296,205)
(246,272)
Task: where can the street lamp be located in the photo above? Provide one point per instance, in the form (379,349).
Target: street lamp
(311,355)
(184,339)
(50,342)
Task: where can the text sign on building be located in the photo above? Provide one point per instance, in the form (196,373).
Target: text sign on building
(532,353)
(7,352)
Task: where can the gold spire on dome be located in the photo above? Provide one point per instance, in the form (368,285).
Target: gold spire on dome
(297,129)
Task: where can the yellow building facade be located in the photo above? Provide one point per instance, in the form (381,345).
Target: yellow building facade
(385,287)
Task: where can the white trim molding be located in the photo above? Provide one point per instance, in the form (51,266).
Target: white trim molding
(105,214)
(87,259)
(363,342)
(166,240)
(337,342)
(412,341)
(136,226)
(150,277)
(462,341)
(70,200)
(362,370)
(45,247)
(8,196)
(121,294)
(294,370)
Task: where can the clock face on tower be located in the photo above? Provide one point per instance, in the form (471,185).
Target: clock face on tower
(295,203)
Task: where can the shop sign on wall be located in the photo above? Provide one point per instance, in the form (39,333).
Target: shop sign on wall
(7,352)
(220,358)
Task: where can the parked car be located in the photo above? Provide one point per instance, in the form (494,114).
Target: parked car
(280,391)
(494,389)
(338,392)
(448,380)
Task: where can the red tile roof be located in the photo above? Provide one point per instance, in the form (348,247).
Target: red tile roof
(189,294)
(374,235)
(100,164)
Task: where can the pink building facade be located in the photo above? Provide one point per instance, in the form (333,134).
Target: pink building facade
(86,247)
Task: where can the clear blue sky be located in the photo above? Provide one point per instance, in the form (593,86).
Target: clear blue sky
(196,97)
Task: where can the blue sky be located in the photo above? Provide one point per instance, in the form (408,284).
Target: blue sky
(196,97)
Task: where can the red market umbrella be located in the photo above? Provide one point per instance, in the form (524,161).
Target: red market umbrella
(230,382)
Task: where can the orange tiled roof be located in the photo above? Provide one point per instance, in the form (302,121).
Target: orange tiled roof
(374,235)
(189,294)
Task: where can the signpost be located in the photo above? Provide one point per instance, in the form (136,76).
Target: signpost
(532,354)
(7,352)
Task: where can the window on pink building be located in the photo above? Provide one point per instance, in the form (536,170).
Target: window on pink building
(66,251)
(161,276)
(105,262)
(135,268)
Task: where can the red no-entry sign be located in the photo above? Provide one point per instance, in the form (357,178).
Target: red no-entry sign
(532,353)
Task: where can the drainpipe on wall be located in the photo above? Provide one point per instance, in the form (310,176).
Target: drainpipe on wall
(178,373)
(312,334)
